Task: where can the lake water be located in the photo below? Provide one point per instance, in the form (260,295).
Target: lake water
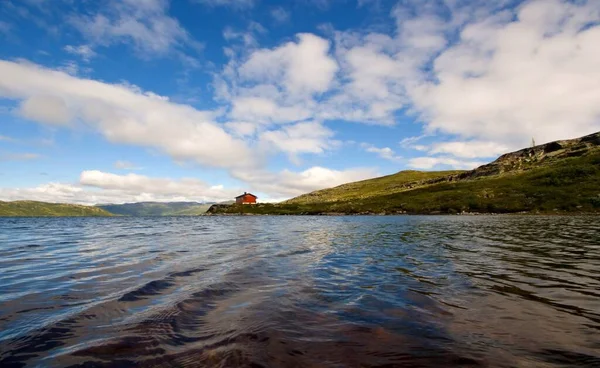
(482,291)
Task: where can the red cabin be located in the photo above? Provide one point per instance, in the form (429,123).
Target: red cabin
(246,198)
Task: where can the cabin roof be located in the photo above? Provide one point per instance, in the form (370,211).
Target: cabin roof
(245,194)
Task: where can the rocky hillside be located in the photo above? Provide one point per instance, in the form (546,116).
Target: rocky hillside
(509,163)
(535,157)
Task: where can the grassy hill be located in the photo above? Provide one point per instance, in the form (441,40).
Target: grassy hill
(33,208)
(364,189)
(561,176)
(157,208)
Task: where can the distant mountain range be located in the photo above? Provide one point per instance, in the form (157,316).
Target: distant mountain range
(157,208)
(34,208)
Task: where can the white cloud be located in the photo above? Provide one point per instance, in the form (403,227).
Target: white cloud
(145,24)
(122,114)
(96,187)
(508,79)
(470,149)
(70,67)
(302,67)
(384,152)
(50,192)
(135,184)
(46,109)
(126,165)
(241,128)
(427,163)
(264,111)
(280,15)
(306,137)
(286,184)
(84,51)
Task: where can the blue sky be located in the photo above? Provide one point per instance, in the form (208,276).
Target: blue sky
(131,100)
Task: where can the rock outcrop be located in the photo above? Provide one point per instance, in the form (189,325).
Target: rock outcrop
(535,156)
(525,159)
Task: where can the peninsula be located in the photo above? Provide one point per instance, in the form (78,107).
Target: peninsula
(557,177)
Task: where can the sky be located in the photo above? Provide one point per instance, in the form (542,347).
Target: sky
(200,100)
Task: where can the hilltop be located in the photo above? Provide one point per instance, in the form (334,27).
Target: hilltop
(34,209)
(560,176)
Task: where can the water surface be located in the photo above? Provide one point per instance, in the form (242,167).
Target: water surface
(484,291)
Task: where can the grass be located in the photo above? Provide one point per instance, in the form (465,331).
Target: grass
(376,187)
(33,208)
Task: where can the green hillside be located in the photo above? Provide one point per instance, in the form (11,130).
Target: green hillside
(157,208)
(561,176)
(33,208)
(360,190)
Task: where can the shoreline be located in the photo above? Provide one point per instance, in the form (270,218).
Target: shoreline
(413,214)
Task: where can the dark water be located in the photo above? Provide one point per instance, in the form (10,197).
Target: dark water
(300,292)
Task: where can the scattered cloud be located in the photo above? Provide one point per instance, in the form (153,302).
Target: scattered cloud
(248,37)
(134,184)
(97,187)
(235,4)
(144,24)
(513,76)
(84,51)
(385,152)
(70,67)
(512,73)
(126,165)
(19,156)
(280,15)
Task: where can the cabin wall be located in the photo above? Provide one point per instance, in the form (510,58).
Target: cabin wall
(247,199)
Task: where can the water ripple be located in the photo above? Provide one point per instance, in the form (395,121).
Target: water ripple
(488,291)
